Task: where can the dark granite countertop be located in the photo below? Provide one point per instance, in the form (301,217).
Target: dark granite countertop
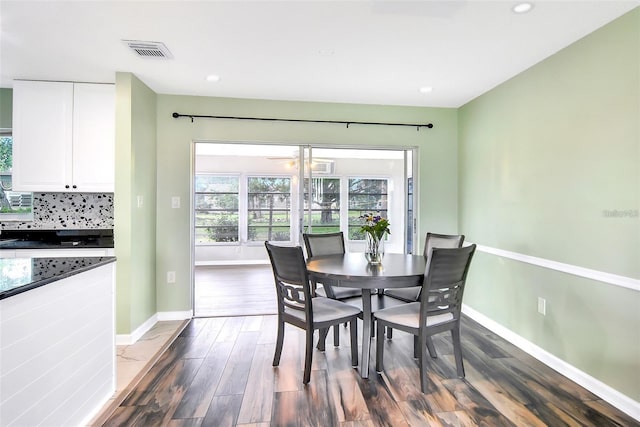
(18,275)
(56,239)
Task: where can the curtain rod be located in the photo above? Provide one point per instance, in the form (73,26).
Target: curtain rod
(196,116)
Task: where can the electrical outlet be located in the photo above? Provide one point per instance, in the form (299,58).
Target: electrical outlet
(171,277)
(542,306)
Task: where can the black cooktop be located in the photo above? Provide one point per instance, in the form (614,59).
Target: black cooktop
(43,239)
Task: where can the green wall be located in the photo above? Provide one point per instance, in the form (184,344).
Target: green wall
(437,152)
(135,226)
(6,108)
(534,167)
(544,160)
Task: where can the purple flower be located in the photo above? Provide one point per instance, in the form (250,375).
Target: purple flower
(376,226)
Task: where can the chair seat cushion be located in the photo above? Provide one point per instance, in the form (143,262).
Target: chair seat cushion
(405,294)
(378,302)
(340,292)
(409,315)
(327,310)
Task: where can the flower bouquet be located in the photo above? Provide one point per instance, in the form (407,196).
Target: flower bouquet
(375,228)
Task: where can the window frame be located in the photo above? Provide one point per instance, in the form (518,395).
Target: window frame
(246,212)
(243,210)
(238,210)
(309,209)
(383,212)
(15,216)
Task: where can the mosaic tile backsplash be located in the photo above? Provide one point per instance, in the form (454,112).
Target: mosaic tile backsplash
(55,211)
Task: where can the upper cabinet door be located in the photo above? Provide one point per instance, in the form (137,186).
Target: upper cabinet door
(42,131)
(63,137)
(94,137)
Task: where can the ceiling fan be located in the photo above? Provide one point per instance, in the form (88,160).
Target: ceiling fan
(318,165)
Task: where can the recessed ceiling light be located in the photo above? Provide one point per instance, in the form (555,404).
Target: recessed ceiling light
(426,89)
(522,7)
(213,78)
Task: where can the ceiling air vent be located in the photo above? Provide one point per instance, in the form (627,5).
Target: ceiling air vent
(149,49)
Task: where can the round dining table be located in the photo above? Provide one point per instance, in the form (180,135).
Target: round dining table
(352,270)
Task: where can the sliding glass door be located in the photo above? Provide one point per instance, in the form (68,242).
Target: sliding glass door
(244,194)
(343,184)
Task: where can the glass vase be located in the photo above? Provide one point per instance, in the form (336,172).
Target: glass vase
(374,249)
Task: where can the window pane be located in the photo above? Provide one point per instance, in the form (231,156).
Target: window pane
(212,218)
(365,196)
(325,204)
(6,154)
(269,209)
(14,205)
(216,227)
(223,201)
(216,208)
(220,233)
(216,183)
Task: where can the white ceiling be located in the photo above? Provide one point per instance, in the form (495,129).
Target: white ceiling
(370,52)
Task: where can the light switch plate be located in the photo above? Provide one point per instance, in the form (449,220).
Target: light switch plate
(175,202)
(542,306)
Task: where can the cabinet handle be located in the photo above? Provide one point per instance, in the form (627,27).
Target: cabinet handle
(66,186)
(75,186)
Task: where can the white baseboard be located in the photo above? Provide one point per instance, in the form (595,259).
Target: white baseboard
(231,262)
(98,408)
(597,387)
(174,315)
(134,336)
(161,316)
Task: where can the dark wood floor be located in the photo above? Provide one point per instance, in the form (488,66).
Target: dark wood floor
(234,290)
(218,373)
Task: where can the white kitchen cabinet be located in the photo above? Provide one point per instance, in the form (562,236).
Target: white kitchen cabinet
(94,138)
(63,137)
(42,132)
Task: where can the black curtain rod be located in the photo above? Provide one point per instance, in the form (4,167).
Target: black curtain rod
(196,116)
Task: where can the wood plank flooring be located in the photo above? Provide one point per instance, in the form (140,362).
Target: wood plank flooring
(218,372)
(234,290)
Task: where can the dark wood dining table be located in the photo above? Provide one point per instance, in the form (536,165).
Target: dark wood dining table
(353,271)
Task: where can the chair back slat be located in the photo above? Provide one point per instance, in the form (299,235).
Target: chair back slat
(324,244)
(291,279)
(292,295)
(434,240)
(444,283)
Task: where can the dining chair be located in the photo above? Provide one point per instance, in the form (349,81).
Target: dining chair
(297,307)
(318,244)
(432,240)
(437,311)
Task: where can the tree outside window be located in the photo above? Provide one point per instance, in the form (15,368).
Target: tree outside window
(269,208)
(324,199)
(366,196)
(216,208)
(14,205)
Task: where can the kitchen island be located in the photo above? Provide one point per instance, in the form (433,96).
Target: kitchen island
(57,339)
